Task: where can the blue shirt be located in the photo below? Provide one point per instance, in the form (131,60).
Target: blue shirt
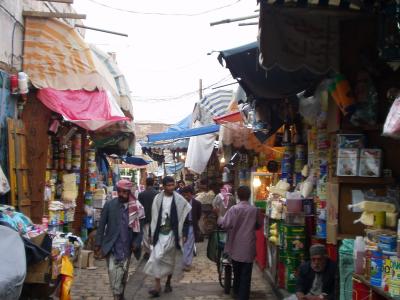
(122,246)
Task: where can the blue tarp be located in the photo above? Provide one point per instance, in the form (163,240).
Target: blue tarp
(182,133)
(174,167)
(182,130)
(181,125)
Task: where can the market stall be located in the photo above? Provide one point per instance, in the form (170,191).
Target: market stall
(327,151)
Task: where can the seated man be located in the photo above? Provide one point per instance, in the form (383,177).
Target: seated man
(316,278)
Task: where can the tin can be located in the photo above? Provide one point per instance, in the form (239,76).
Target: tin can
(376,269)
(308,206)
(300,152)
(379,219)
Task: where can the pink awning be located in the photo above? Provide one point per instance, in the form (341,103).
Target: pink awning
(91,110)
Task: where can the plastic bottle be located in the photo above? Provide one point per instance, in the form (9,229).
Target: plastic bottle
(359,255)
(23,83)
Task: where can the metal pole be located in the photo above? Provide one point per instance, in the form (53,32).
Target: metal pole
(200,89)
(248,23)
(101,30)
(233,20)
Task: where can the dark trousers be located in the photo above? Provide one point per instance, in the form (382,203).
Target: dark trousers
(242,279)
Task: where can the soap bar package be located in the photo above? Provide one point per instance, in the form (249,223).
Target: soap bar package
(351,141)
(370,163)
(347,163)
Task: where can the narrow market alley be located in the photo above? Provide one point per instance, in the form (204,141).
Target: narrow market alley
(200,283)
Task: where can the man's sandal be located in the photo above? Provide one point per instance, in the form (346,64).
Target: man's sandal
(154,293)
(168,288)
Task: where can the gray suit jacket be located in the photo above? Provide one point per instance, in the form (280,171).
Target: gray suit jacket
(109,225)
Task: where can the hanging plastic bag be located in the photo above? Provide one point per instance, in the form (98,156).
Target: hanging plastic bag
(66,285)
(367,101)
(4,185)
(309,107)
(392,123)
(341,92)
(67,271)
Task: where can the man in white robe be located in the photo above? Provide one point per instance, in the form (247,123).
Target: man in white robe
(168,228)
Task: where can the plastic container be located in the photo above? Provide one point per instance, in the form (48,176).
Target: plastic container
(332,252)
(321,229)
(310,225)
(388,247)
(394,286)
(295,219)
(387,269)
(376,269)
(308,206)
(294,205)
(23,83)
(14,84)
(346,268)
(387,239)
(359,255)
(295,245)
(293,230)
(281,275)
(360,291)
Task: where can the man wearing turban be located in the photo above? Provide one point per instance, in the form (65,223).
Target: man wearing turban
(119,234)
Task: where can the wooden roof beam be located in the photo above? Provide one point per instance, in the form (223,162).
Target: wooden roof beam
(45,14)
(59,1)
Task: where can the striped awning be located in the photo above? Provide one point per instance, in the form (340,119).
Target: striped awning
(56,56)
(125,101)
(217,102)
(212,105)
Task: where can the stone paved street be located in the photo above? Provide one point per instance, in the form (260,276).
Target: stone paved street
(199,284)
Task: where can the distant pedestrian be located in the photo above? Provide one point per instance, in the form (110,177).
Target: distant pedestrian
(168,228)
(119,234)
(146,199)
(224,201)
(206,195)
(194,234)
(180,185)
(241,222)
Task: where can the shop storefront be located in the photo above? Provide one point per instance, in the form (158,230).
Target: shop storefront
(327,172)
(60,174)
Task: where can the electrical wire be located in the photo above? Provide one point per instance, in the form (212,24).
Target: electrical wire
(165,14)
(12,16)
(165,99)
(16,22)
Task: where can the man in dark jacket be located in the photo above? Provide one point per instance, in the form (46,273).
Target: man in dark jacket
(146,199)
(192,220)
(119,233)
(316,278)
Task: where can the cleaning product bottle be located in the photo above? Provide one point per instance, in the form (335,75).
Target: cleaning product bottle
(398,238)
(359,255)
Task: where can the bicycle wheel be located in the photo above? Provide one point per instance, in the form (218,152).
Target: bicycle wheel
(221,275)
(227,279)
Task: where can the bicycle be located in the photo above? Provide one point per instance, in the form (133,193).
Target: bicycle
(224,264)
